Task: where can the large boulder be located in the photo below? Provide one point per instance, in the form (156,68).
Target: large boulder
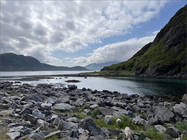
(180,109)
(174,132)
(90,125)
(162,115)
(62,107)
(160,128)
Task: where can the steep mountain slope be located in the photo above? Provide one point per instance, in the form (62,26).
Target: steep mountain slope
(166,56)
(13,62)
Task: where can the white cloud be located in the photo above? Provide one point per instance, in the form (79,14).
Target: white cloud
(40,27)
(114,52)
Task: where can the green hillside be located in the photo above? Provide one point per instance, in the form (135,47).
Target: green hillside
(166,56)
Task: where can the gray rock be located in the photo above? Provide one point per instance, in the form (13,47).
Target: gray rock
(46,105)
(14,135)
(180,109)
(31,118)
(84,135)
(90,125)
(106,111)
(62,107)
(73,119)
(98,137)
(38,114)
(184,98)
(37,136)
(162,115)
(138,120)
(63,125)
(172,131)
(35,97)
(4,106)
(160,128)
(74,133)
(43,124)
(57,133)
(93,106)
(72,87)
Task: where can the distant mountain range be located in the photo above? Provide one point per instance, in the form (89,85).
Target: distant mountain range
(99,66)
(13,62)
(166,56)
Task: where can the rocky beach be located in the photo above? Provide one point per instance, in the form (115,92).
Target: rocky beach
(51,112)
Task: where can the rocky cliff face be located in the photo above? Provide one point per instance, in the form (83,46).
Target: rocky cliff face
(166,56)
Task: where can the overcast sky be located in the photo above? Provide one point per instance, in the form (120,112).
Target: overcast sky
(80,32)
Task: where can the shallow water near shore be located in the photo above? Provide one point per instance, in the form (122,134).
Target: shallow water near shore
(128,85)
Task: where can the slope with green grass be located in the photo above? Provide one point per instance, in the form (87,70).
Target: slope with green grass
(166,56)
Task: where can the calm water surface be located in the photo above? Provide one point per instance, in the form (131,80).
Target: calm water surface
(142,86)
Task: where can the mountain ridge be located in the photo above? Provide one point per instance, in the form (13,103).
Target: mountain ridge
(166,56)
(14,62)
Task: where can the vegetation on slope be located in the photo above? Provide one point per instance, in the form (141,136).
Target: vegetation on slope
(165,56)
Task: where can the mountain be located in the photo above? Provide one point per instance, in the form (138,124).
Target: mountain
(13,62)
(99,66)
(166,56)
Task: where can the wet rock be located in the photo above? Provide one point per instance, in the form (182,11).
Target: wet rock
(160,128)
(172,131)
(90,125)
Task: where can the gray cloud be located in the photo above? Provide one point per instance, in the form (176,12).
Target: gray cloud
(41,27)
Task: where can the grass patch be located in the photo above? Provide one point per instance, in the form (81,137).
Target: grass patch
(153,134)
(95,112)
(81,115)
(3,135)
(52,138)
(57,111)
(182,126)
(15,94)
(184,137)
(125,122)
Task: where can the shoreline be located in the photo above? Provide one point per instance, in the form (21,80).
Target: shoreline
(93,75)
(45,111)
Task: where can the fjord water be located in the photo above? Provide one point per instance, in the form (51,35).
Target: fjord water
(128,85)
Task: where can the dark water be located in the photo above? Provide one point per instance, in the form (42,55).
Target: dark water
(142,86)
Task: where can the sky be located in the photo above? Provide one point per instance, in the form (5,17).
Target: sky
(81,32)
